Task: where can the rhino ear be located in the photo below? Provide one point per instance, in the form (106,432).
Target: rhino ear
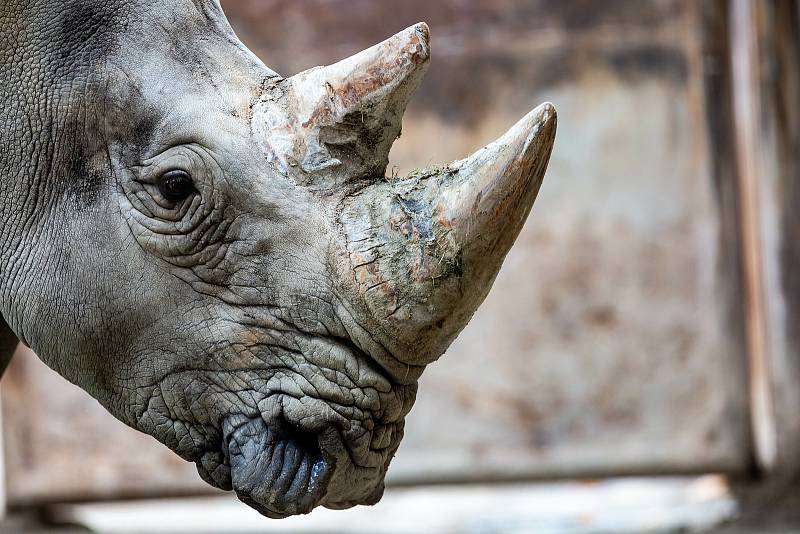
(335,124)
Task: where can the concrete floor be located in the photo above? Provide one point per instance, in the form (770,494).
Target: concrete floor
(614,506)
(673,505)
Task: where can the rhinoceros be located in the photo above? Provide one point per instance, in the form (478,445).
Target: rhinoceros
(215,253)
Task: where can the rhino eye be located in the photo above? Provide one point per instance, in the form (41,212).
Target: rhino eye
(176,185)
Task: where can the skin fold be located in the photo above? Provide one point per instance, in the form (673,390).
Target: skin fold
(214,252)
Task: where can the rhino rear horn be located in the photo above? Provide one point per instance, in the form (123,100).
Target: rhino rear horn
(336,124)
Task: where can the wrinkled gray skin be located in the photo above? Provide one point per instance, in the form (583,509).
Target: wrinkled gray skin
(241,326)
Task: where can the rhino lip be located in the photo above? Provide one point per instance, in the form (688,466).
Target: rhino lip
(276,468)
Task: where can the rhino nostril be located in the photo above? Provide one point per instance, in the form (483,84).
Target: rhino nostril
(275,466)
(308,442)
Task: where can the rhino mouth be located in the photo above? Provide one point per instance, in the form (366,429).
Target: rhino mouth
(282,450)
(277,468)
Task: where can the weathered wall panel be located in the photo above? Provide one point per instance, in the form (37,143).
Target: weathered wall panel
(611,342)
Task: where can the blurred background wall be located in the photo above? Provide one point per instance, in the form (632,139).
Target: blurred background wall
(614,340)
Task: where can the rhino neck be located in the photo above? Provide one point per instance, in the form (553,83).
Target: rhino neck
(52,57)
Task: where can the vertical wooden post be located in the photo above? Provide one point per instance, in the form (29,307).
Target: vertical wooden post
(746,99)
(776,68)
(759,89)
(719,98)
(752,83)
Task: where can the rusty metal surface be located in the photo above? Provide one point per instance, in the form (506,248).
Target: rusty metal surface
(610,343)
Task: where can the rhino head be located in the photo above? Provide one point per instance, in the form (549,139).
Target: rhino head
(215,253)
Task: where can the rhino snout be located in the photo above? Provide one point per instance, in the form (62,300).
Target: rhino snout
(278,468)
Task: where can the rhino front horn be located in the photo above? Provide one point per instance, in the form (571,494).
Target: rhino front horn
(329,126)
(425,249)
(487,207)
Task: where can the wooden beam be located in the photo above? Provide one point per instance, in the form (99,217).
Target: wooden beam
(754,118)
(718,85)
(775,65)
(746,98)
